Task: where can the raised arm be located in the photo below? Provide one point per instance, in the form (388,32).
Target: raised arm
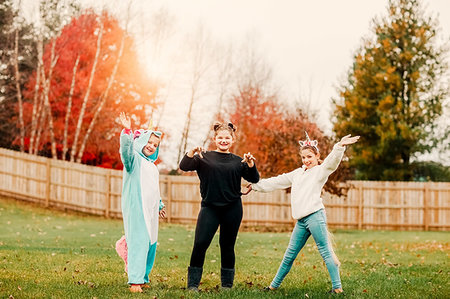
(250,173)
(190,162)
(331,162)
(126,143)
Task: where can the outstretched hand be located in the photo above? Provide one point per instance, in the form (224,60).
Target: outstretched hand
(198,150)
(249,159)
(347,140)
(247,189)
(125,120)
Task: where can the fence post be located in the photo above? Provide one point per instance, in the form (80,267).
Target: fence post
(48,182)
(108,193)
(169,199)
(360,207)
(425,207)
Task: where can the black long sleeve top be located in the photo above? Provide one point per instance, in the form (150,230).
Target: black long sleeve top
(220,176)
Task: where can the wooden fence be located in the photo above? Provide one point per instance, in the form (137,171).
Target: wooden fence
(94,190)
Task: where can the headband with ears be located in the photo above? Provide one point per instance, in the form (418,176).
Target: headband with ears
(228,125)
(309,142)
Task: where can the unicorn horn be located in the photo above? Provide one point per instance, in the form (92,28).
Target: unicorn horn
(150,124)
(307,137)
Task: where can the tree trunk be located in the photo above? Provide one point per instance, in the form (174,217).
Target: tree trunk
(102,99)
(37,86)
(48,108)
(69,107)
(86,96)
(40,118)
(19,92)
(40,121)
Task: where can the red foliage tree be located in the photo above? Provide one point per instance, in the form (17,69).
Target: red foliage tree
(271,134)
(131,90)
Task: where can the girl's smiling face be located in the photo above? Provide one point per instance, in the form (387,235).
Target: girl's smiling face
(223,140)
(309,158)
(150,148)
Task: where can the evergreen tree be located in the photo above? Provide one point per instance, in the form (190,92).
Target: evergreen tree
(393,94)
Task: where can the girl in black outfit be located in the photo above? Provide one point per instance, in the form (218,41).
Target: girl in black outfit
(220,174)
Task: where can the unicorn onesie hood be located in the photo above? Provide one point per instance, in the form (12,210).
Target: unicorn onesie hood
(141,203)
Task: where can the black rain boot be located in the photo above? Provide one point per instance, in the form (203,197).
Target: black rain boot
(227,277)
(194,277)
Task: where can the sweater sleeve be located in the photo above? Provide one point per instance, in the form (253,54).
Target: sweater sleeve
(189,164)
(250,174)
(126,149)
(282,181)
(331,162)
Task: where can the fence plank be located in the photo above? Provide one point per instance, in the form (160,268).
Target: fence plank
(49,182)
(108,194)
(425,207)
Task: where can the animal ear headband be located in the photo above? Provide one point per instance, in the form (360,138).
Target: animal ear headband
(229,126)
(309,142)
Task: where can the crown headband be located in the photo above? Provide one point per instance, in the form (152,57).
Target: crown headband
(309,142)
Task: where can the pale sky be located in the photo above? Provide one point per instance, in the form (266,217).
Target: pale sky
(309,44)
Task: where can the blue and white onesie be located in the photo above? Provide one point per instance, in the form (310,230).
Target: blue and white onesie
(141,203)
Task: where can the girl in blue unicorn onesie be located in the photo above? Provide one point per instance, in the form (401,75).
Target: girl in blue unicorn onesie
(307,207)
(141,201)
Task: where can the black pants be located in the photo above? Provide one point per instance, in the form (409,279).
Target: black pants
(209,219)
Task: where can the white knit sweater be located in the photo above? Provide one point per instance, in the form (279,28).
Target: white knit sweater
(306,184)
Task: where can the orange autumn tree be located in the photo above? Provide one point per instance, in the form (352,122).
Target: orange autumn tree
(88,74)
(271,133)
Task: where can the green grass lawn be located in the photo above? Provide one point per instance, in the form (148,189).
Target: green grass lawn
(51,254)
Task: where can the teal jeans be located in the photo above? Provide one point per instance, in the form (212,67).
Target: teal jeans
(315,225)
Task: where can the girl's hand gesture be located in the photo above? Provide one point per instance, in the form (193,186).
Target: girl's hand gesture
(347,140)
(247,189)
(125,120)
(249,159)
(198,150)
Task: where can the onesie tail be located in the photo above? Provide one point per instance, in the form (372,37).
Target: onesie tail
(122,251)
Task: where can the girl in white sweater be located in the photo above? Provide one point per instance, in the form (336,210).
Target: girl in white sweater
(307,207)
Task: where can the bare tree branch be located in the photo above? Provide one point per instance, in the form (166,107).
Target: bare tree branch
(102,99)
(69,107)
(86,96)
(37,85)
(200,64)
(48,108)
(18,90)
